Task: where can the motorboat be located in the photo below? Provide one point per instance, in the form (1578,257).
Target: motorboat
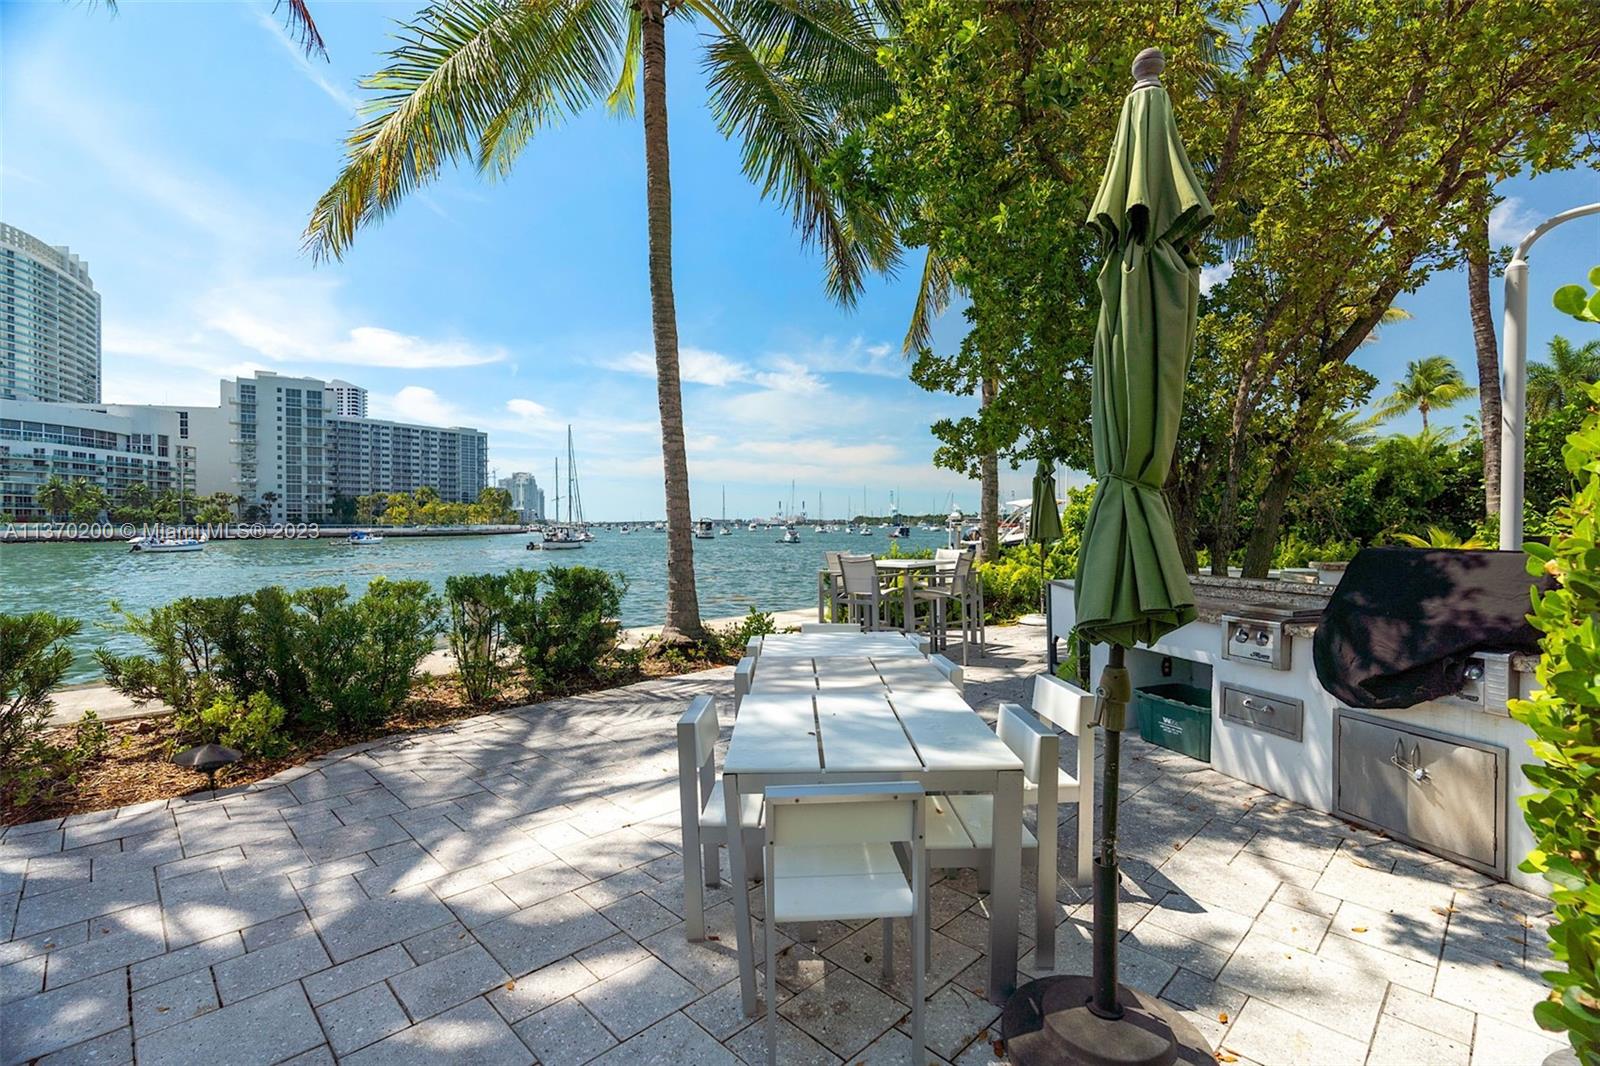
(899,531)
(166,542)
(754,527)
(558,538)
(363,537)
(790,536)
(704,529)
(866,531)
(624,529)
(659,527)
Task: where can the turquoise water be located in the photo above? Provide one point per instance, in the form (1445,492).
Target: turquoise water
(733,573)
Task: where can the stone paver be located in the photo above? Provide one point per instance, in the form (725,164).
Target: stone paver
(509,887)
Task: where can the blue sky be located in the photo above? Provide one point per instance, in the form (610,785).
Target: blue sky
(179,148)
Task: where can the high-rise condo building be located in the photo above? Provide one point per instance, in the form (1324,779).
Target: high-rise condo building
(347,400)
(527,498)
(49,322)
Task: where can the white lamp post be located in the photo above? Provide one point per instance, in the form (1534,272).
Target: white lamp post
(1514,377)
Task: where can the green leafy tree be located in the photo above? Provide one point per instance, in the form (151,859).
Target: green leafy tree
(474,80)
(88,501)
(1432,383)
(1564,378)
(1564,714)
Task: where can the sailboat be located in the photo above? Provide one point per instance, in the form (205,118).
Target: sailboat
(725,529)
(573,534)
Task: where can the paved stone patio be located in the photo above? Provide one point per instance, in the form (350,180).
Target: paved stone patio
(509,891)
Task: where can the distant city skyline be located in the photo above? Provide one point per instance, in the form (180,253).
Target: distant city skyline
(179,148)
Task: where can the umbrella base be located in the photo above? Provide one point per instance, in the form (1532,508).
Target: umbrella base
(1048,1023)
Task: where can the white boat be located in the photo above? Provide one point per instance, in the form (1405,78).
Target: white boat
(899,531)
(659,527)
(166,542)
(790,536)
(725,531)
(866,531)
(624,529)
(754,527)
(363,537)
(704,530)
(558,538)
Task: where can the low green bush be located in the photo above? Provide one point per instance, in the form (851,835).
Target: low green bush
(34,657)
(253,725)
(730,640)
(327,661)
(478,604)
(1564,714)
(563,622)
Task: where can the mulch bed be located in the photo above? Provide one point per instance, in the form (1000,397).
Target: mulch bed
(137,765)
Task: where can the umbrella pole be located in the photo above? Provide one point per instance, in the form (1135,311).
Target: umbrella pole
(1114,692)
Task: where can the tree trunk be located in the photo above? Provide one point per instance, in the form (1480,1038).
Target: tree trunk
(1263,540)
(989,507)
(1484,340)
(683,605)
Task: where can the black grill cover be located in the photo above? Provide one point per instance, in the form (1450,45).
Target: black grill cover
(1403,622)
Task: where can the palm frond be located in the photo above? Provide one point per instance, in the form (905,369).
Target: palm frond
(302,27)
(624,96)
(468,80)
(776,72)
(933,296)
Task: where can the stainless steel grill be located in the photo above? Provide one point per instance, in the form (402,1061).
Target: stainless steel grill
(1258,633)
(1490,686)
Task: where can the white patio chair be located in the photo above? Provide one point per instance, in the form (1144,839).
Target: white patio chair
(961,828)
(743,677)
(830,856)
(950,672)
(864,596)
(829,627)
(833,601)
(1068,707)
(704,814)
(944,591)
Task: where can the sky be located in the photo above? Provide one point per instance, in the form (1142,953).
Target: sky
(179,148)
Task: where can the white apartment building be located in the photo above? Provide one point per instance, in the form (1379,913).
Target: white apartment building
(49,322)
(346,400)
(271,441)
(111,445)
(527,498)
(368,455)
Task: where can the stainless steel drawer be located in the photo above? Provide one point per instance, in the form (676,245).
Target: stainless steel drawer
(1441,793)
(1264,711)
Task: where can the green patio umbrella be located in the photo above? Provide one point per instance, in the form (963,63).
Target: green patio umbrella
(1044,521)
(1131,587)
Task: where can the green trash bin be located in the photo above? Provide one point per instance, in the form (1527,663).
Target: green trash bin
(1176,716)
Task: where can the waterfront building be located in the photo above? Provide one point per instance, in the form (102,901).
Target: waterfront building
(110,445)
(49,322)
(527,498)
(268,443)
(346,400)
(368,455)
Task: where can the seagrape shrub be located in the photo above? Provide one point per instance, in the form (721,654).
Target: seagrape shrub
(563,622)
(34,657)
(1564,715)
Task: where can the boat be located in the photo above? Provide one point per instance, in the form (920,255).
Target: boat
(557,538)
(754,527)
(899,531)
(704,530)
(790,536)
(166,542)
(659,527)
(725,531)
(363,537)
(866,531)
(624,529)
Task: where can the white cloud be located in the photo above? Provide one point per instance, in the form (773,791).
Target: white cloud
(1509,221)
(1212,276)
(696,366)
(416,403)
(855,356)
(527,408)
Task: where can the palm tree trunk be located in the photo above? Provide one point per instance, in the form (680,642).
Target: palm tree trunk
(683,605)
(1484,340)
(989,468)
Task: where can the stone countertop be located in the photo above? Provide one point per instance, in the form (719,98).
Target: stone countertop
(1217,596)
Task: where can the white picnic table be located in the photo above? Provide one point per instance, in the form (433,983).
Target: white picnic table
(840,708)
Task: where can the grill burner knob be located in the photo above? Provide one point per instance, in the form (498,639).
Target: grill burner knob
(1262,638)
(1241,635)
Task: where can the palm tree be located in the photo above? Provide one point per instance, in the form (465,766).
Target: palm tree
(1432,383)
(1564,378)
(54,496)
(474,80)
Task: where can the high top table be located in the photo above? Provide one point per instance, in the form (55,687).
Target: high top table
(891,564)
(876,645)
(910,732)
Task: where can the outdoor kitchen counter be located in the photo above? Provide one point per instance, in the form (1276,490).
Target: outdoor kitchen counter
(1464,804)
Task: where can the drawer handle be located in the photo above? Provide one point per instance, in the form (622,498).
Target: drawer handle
(1414,767)
(1265,708)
